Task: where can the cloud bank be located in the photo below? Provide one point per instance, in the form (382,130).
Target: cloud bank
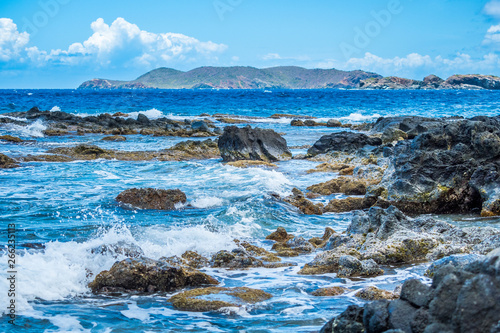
(119,44)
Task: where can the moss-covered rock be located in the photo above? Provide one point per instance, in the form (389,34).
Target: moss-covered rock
(149,198)
(205,299)
(330,291)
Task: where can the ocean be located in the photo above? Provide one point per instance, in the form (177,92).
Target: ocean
(69,209)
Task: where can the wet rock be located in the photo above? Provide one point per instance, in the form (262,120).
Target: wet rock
(330,167)
(200,299)
(347,205)
(456,260)
(7,163)
(372,293)
(345,185)
(293,247)
(460,299)
(114,138)
(147,275)
(10,138)
(307,207)
(447,169)
(200,125)
(149,198)
(331,291)
(393,135)
(259,252)
(320,242)
(143,119)
(189,259)
(297,122)
(252,144)
(387,236)
(351,320)
(342,141)
(55,132)
(236,259)
(333,123)
(280,235)
(350,266)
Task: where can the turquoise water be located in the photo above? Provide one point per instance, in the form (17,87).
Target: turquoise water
(70,208)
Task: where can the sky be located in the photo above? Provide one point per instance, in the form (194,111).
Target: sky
(61,43)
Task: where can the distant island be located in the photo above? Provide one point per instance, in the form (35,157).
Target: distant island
(287,77)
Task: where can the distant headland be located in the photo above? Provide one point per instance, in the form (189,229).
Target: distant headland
(287,77)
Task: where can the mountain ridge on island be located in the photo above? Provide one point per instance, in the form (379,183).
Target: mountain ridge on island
(288,77)
(283,77)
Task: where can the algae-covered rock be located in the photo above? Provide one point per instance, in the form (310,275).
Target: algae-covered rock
(372,293)
(280,235)
(330,291)
(307,207)
(7,163)
(147,275)
(114,138)
(345,185)
(206,299)
(149,198)
(249,164)
(10,138)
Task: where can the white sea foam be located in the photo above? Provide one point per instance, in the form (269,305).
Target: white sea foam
(55,108)
(206,202)
(14,118)
(151,114)
(34,130)
(358,117)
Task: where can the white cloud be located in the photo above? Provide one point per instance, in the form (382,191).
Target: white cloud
(12,42)
(492,36)
(119,44)
(271,56)
(416,66)
(492,8)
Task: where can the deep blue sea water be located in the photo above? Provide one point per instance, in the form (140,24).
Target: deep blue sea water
(70,208)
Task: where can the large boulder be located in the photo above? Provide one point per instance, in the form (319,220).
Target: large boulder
(451,168)
(460,299)
(387,236)
(148,275)
(252,144)
(150,198)
(348,142)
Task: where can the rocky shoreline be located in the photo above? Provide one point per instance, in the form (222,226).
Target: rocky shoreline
(390,173)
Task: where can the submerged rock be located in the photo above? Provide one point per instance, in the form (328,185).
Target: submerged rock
(199,299)
(460,299)
(252,144)
(149,198)
(147,275)
(114,138)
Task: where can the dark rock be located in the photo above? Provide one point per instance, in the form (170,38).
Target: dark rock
(236,259)
(350,266)
(297,122)
(310,122)
(252,144)
(351,321)
(333,123)
(461,300)
(416,293)
(376,316)
(348,142)
(144,274)
(148,198)
(200,125)
(142,119)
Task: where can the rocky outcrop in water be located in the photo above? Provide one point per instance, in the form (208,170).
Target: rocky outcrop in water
(185,150)
(252,144)
(7,163)
(451,168)
(387,236)
(198,300)
(148,275)
(459,300)
(348,142)
(150,198)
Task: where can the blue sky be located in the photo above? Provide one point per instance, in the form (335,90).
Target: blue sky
(61,43)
